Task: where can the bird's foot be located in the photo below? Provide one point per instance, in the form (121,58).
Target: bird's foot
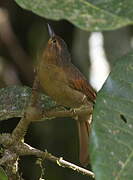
(74,112)
(83,113)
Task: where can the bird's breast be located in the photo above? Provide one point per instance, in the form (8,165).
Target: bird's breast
(54,83)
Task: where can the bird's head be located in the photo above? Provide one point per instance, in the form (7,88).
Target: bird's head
(57,48)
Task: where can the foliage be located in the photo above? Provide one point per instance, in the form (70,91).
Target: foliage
(112,147)
(92,15)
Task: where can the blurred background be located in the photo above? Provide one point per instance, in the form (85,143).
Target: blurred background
(23,35)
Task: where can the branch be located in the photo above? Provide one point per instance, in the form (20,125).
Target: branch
(14,100)
(23,149)
(33,110)
(63,163)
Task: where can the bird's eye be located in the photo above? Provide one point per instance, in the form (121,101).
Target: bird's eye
(54,41)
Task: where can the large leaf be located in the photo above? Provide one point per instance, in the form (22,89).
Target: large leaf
(90,15)
(112,132)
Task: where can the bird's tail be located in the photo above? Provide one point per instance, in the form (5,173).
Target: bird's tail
(84,131)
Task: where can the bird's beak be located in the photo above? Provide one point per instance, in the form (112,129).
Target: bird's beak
(50,31)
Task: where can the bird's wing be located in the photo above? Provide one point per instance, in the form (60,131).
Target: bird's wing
(77,81)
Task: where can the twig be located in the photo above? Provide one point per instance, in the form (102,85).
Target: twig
(63,163)
(23,149)
(59,161)
(81,170)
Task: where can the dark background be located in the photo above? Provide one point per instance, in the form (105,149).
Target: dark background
(23,35)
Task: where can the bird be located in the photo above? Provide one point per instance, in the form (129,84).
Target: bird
(64,83)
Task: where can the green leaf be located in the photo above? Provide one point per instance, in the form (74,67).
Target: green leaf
(3,175)
(112,131)
(92,15)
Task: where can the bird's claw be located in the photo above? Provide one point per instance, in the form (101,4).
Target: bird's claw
(73,111)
